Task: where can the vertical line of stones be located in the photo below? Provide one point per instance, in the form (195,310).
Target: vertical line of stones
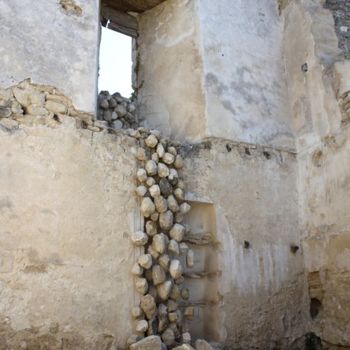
(158,271)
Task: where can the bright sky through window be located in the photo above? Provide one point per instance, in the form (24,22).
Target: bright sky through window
(115,63)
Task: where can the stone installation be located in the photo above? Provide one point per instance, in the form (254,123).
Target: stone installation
(207,211)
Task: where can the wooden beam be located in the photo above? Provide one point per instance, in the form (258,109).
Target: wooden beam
(119,21)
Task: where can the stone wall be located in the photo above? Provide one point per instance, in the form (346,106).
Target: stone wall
(53,42)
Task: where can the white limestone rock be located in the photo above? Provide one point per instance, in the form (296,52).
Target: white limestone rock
(177,232)
(161,204)
(151,167)
(159,243)
(139,238)
(148,305)
(185,208)
(175,269)
(154,191)
(172,204)
(137,270)
(168,158)
(151,141)
(141,175)
(136,312)
(190,258)
(152,342)
(164,261)
(147,207)
(141,191)
(141,326)
(158,275)
(173,247)
(160,150)
(178,162)
(179,194)
(145,261)
(163,170)
(150,181)
(141,285)
(201,344)
(166,220)
(151,228)
(141,154)
(164,289)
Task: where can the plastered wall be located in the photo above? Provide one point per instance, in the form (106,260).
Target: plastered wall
(66,213)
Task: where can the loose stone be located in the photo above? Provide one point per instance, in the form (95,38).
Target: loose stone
(154,217)
(158,243)
(173,177)
(152,290)
(141,326)
(166,220)
(178,162)
(141,191)
(168,158)
(133,339)
(147,207)
(172,204)
(165,187)
(179,194)
(139,238)
(158,275)
(136,312)
(155,157)
(190,258)
(173,247)
(154,191)
(175,293)
(181,184)
(163,170)
(141,285)
(202,345)
(120,110)
(151,167)
(141,175)
(164,290)
(151,141)
(150,181)
(179,280)
(168,337)
(184,347)
(145,261)
(164,261)
(153,252)
(151,228)
(160,150)
(185,208)
(148,305)
(137,270)
(172,150)
(56,107)
(175,269)
(161,204)
(141,154)
(177,232)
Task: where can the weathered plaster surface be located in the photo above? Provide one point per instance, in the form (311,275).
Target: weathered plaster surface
(245,86)
(41,40)
(66,212)
(320,120)
(169,65)
(262,287)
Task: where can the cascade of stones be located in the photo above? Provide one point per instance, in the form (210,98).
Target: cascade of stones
(159,321)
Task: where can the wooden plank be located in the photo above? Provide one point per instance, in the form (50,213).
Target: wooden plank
(119,21)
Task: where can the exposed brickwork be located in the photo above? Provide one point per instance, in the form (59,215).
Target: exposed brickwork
(341,14)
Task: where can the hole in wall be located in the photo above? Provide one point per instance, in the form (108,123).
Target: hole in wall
(294,248)
(228,147)
(315,307)
(246,244)
(115,66)
(247,151)
(267,155)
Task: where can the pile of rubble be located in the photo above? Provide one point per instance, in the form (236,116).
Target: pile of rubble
(119,112)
